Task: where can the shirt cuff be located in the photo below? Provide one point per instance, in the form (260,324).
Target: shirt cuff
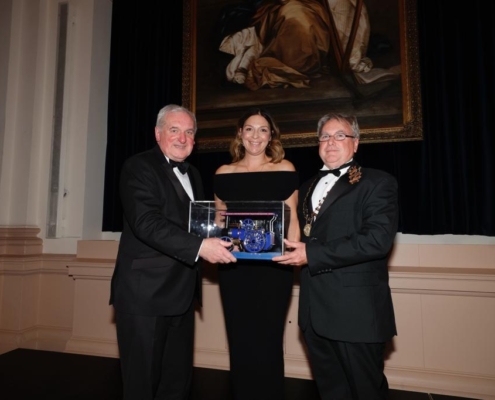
(197,257)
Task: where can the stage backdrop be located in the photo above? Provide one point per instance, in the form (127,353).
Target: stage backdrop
(446,181)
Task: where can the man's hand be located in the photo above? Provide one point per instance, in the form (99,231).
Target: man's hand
(214,250)
(295,254)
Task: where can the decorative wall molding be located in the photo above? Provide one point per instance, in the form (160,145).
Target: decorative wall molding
(456,280)
(21,240)
(36,294)
(441,382)
(94,347)
(37,337)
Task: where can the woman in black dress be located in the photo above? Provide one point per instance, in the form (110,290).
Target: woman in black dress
(256,294)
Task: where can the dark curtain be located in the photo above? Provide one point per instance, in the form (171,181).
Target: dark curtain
(446,181)
(145,75)
(455,192)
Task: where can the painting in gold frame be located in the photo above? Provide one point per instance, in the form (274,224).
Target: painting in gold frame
(381,85)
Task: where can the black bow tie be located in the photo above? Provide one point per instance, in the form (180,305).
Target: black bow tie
(335,171)
(181,165)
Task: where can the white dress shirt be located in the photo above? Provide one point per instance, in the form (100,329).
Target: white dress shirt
(184,181)
(186,184)
(324,185)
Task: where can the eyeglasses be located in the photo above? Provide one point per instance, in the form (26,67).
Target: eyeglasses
(338,137)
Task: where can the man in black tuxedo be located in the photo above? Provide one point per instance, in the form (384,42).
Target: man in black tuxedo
(156,275)
(348,217)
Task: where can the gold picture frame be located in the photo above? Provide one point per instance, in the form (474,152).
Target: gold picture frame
(388,109)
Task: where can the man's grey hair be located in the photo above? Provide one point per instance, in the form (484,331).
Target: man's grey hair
(350,120)
(171,108)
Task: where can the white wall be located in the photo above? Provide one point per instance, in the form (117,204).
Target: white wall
(16,157)
(27,91)
(5,12)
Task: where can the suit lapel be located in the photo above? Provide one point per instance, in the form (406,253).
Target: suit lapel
(169,172)
(184,198)
(194,185)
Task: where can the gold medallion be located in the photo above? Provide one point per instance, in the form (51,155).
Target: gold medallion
(307,229)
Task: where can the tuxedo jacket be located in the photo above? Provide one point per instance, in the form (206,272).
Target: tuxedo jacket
(345,286)
(156,273)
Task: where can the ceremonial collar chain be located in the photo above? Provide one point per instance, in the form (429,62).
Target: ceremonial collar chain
(354,176)
(307,216)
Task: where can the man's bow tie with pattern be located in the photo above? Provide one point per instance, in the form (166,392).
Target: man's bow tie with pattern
(335,171)
(181,165)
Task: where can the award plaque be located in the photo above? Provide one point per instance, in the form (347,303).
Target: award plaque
(255,229)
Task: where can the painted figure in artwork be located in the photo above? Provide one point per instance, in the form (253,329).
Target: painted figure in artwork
(289,42)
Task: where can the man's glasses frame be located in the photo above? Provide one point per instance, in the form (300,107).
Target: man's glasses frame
(338,137)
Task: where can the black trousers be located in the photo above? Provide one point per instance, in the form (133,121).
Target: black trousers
(156,355)
(347,371)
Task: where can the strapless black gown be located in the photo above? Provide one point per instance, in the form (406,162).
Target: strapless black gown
(255,296)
